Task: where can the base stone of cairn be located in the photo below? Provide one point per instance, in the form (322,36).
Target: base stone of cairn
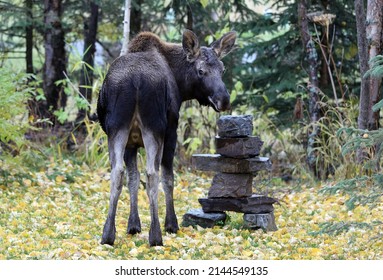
(206,220)
(236,163)
(265,221)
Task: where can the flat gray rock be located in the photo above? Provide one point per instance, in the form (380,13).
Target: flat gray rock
(235,126)
(218,163)
(206,220)
(254,204)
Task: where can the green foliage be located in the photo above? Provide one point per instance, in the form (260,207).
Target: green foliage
(328,144)
(370,141)
(363,190)
(264,74)
(94,149)
(360,189)
(14,95)
(196,129)
(337,228)
(376,67)
(376,71)
(275,62)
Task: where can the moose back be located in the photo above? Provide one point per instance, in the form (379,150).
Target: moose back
(138,106)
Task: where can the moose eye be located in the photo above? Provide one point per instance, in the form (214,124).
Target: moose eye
(201,72)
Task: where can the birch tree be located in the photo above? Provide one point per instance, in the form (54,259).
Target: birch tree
(125,42)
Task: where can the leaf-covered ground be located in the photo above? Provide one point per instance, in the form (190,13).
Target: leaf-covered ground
(58,213)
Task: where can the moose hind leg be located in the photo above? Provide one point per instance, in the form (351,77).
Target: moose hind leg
(116,147)
(171,224)
(130,157)
(154,149)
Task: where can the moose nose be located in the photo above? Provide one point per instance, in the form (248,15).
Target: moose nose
(221,101)
(224,101)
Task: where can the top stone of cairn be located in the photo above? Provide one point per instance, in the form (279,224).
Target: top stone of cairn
(235,126)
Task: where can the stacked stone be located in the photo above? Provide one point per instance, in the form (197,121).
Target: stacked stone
(236,163)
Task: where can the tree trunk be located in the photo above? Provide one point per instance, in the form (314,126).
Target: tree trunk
(33,107)
(364,99)
(90,36)
(314,107)
(29,37)
(324,74)
(55,58)
(125,43)
(374,34)
(189,21)
(135,17)
(363,64)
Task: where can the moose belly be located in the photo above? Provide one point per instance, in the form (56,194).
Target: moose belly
(135,136)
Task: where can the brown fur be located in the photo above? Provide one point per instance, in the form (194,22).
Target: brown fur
(146,41)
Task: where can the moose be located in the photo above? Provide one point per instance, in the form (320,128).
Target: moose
(138,106)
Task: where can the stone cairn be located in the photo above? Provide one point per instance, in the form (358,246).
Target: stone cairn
(236,163)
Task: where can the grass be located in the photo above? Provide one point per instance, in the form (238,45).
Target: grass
(58,213)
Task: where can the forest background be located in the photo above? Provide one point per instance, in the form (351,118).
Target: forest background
(308,71)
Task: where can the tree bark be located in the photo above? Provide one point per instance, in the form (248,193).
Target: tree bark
(189,21)
(90,37)
(135,17)
(29,37)
(374,35)
(55,58)
(363,64)
(313,90)
(125,42)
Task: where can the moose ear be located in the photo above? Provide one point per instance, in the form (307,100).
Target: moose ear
(190,45)
(225,44)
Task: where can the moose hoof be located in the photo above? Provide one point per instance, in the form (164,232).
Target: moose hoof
(155,242)
(107,240)
(108,235)
(155,238)
(133,229)
(171,228)
(134,224)
(171,223)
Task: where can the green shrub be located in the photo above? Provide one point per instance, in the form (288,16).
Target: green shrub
(14,122)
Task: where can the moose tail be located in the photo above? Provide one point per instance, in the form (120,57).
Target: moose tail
(101,107)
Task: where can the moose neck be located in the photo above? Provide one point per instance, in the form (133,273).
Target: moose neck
(182,70)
